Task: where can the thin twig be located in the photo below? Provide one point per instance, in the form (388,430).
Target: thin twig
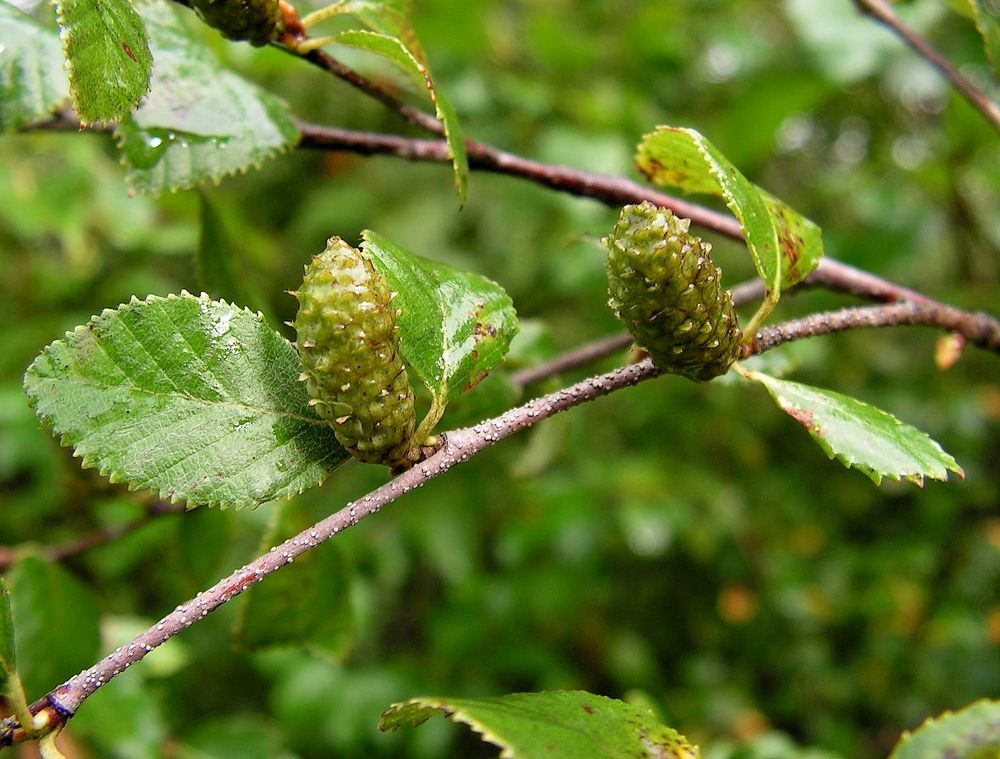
(572,359)
(407,112)
(612,191)
(63,551)
(743,293)
(458,446)
(881,11)
(830,273)
(978,328)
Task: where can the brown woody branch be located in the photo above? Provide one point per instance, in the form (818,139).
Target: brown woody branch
(457,447)
(882,12)
(978,328)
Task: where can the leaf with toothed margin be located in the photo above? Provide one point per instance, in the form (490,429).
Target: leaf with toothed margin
(107,57)
(33,81)
(552,724)
(395,50)
(784,246)
(200,121)
(970,733)
(859,435)
(194,398)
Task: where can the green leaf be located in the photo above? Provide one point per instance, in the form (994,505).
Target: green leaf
(784,245)
(194,398)
(107,56)
(200,121)
(236,736)
(987,18)
(972,733)
(8,660)
(215,259)
(554,724)
(392,18)
(307,604)
(398,52)
(859,435)
(455,325)
(33,81)
(57,623)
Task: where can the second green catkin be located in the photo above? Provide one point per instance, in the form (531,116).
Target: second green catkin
(664,286)
(349,345)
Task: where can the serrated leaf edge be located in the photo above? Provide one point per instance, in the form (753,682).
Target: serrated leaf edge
(65,34)
(917,478)
(65,439)
(214,178)
(909,735)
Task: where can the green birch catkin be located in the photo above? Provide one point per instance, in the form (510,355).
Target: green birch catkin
(665,288)
(349,345)
(253,21)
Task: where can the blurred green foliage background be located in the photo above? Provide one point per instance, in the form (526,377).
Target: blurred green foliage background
(681,546)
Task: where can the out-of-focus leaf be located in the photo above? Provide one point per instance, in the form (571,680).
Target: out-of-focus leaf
(196,399)
(8,659)
(972,733)
(125,718)
(554,724)
(214,258)
(107,55)
(455,326)
(845,44)
(307,604)
(987,17)
(234,737)
(785,246)
(57,624)
(33,81)
(859,435)
(397,51)
(200,121)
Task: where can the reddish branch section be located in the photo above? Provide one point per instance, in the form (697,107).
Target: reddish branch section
(978,328)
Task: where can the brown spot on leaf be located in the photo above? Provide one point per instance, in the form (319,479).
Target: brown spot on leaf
(482,329)
(475,380)
(805,418)
(128,52)
(588,709)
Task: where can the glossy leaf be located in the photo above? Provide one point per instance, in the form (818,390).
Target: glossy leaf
(971,733)
(8,659)
(107,55)
(987,17)
(859,435)
(196,399)
(554,724)
(33,81)
(307,604)
(200,121)
(455,325)
(784,245)
(57,623)
(398,52)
